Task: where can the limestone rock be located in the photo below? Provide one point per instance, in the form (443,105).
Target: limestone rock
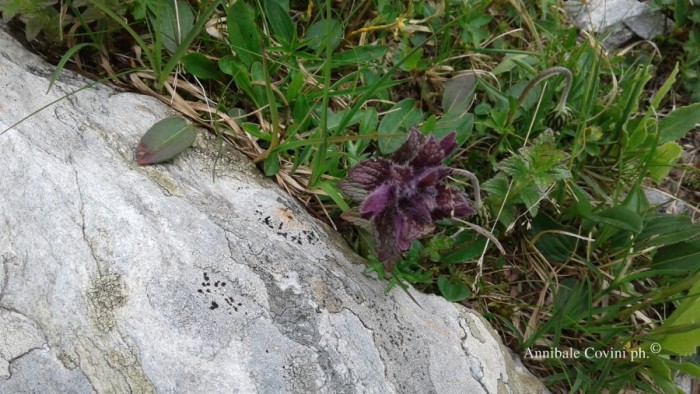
(118,278)
(617,20)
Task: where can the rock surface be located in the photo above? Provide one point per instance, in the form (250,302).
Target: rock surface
(120,278)
(618,20)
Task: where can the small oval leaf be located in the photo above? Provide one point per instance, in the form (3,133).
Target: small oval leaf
(173,20)
(200,66)
(165,140)
(323,33)
(277,13)
(459,93)
(453,291)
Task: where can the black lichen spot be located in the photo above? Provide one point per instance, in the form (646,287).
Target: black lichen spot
(208,291)
(200,291)
(214,305)
(280,226)
(311,236)
(267,221)
(296,238)
(206,276)
(284,234)
(216,284)
(223,284)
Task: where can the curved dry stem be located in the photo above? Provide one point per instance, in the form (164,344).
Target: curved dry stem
(475,184)
(550,72)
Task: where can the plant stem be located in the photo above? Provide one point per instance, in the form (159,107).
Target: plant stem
(557,70)
(274,115)
(475,184)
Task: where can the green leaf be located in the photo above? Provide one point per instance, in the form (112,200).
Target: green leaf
(620,217)
(462,123)
(241,76)
(687,367)
(466,253)
(662,230)
(680,12)
(668,84)
(64,59)
(664,157)
(200,66)
(517,167)
(530,195)
(359,55)
(318,34)
(452,290)
(254,130)
(459,93)
(583,204)
(681,256)
(553,245)
(173,19)
(35,23)
(678,123)
(413,61)
(572,301)
(258,75)
(280,21)
(296,82)
(688,314)
(271,164)
(11,8)
(165,140)
(509,62)
(394,125)
(636,200)
(186,40)
(333,193)
(243,34)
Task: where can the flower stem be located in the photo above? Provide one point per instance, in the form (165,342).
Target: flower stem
(475,184)
(557,70)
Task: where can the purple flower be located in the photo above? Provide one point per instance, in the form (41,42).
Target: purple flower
(403,195)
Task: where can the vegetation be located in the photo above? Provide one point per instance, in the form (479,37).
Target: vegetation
(564,253)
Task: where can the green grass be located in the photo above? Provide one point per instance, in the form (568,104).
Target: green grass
(572,255)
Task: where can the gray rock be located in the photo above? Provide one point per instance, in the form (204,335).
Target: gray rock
(618,20)
(666,202)
(120,278)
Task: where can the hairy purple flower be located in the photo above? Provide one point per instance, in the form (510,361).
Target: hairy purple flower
(403,195)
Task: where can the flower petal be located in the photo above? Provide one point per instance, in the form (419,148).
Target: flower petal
(407,229)
(365,177)
(433,152)
(378,201)
(452,203)
(385,238)
(449,143)
(418,208)
(429,176)
(430,154)
(410,147)
(354,190)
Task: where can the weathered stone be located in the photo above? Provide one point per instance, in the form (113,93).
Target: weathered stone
(118,278)
(617,21)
